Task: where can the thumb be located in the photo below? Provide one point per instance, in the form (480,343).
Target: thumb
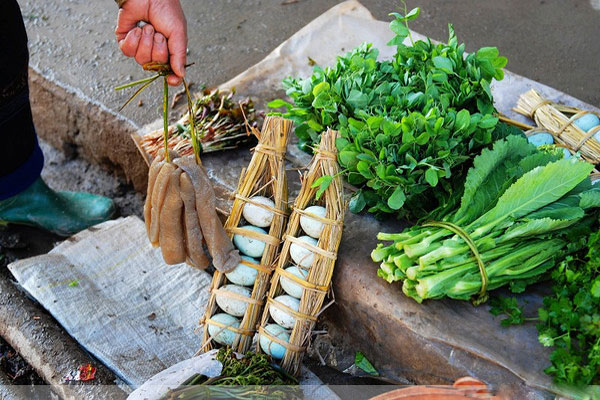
(177,51)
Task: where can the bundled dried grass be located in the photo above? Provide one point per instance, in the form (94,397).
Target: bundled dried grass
(264,176)
(219,121)
(318,280)
(558,121)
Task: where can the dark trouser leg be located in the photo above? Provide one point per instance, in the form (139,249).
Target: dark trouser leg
(21,159)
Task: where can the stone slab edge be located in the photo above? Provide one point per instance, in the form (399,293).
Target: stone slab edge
(78,125)
(49,349)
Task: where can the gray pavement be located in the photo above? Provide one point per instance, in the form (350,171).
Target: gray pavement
(552,41)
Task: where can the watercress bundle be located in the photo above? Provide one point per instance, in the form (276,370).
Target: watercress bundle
(407,124)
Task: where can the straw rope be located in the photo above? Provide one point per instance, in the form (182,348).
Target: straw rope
(588,136)
(237,296)
(311,248)
(302,282)
(265,175)
(537,106)
(261,205)
(287,345)
(291,311)
(245,332)
(318,218)
(267,239)
(258,267)
(270,150)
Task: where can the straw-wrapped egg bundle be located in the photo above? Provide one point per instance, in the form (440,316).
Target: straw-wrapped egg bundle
(575,129)
(303,275)
(255,225)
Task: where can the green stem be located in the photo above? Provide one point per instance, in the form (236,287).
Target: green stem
(192,115)
(149,81)
(166,117)
(135,83)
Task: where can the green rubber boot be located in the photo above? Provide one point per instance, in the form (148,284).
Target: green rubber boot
(63,213)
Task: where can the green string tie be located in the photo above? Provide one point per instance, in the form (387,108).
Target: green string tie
(482,296)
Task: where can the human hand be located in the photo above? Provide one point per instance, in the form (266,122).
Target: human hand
(163,39)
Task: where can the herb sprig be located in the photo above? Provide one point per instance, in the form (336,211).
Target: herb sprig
(569,320)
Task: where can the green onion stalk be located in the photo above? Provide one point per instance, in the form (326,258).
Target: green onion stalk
(522,210)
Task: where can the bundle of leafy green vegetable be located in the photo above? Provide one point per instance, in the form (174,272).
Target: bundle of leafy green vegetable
(406,125)
(569,321)
(250,377)
(522,210)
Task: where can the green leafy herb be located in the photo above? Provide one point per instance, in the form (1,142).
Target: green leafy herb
(508,306)
(361,362)
(249,377)
(570,318)
(407,125)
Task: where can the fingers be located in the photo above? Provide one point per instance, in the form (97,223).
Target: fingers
(174,80)
(144,50)
(126,21)
(177,50)
(129,44)
(160,51)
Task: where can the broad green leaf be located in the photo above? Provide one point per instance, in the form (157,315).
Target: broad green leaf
(348,158)
(487,180)
(399,28)
(357,99)
(374,122)
(443,63)
(590,199)
(488,52)
(563,213)
(538,188)
(354,178)
(391,128)
(537,227)
(314,125)
(357,203)
(412,14)
(487,122)
(431,177)
(322,183)
(463,120)
(277,103)
(321,87)
(396,200)
(322,100)
(367,157)
(341,143)
(595,290)
(363,168)
(361,362)
(422,139)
